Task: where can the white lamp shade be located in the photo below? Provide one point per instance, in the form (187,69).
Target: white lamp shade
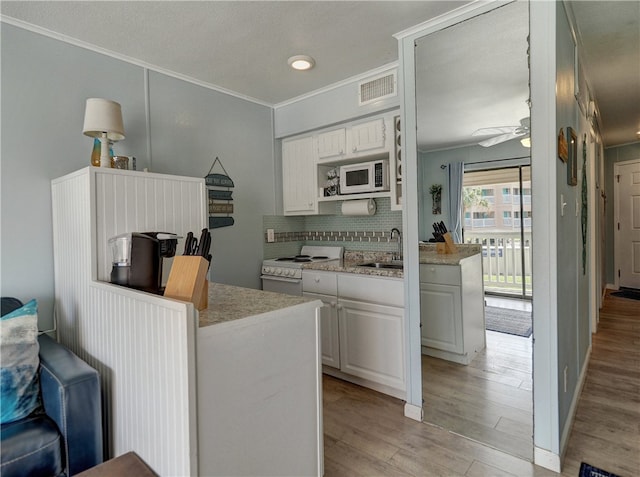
(103,116)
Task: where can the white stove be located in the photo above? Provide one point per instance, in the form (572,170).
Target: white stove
(284,274)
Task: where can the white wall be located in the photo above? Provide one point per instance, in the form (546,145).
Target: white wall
(45,83)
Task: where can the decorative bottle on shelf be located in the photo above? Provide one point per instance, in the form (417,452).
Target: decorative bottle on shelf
(95,153)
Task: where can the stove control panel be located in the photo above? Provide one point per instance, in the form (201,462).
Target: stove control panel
(282,272)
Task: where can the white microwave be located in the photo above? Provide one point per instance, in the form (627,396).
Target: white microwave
(372,176)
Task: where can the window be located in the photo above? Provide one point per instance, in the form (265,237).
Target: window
(506,214)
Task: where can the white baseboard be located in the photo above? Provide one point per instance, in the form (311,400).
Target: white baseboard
(564,440)
(546,459)
(611,286)
(413,412)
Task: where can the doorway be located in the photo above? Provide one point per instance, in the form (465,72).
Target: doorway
(472,107)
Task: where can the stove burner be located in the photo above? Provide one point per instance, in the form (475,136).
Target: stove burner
(320,257)
(302,259)
(285,259)
(302,256)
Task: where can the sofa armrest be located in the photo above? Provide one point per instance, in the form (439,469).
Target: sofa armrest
(71,397)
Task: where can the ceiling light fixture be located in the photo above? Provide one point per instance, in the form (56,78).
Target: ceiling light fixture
(301,62)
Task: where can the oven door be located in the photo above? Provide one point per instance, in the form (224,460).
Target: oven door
(288,286)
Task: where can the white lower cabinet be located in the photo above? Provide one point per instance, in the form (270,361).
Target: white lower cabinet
(329,332)
(372,342)
(452,310)
(441,316)
(362,328)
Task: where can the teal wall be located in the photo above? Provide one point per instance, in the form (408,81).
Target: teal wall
(573,330)
(612,155)
(45,83)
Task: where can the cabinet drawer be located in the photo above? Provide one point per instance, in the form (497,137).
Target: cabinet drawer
(443,274)
(386,291)
(325,283)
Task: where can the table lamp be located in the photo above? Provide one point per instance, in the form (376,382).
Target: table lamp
(103,119)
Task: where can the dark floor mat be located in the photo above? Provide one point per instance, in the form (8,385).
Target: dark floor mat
(631,293)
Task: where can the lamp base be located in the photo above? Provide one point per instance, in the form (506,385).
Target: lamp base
(105,159)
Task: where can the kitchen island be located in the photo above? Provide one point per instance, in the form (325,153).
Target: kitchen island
(259,384)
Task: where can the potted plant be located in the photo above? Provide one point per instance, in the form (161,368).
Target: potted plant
(436,195)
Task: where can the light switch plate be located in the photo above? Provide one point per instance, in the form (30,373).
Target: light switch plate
(271,236)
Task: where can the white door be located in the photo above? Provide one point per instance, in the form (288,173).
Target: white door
(628,226)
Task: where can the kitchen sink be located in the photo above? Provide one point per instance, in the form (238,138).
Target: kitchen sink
(395,265)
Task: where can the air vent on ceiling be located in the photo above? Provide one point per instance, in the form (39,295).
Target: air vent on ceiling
(377,88)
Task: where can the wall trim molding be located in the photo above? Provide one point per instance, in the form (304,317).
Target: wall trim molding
(566,432)
(546,459)
(345,82)
(413,412)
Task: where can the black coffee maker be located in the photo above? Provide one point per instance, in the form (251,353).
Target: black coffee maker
(138,257)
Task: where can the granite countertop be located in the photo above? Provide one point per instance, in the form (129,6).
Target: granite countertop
(429,255)
(228,303)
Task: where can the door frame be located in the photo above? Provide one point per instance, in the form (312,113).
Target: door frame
(616,218)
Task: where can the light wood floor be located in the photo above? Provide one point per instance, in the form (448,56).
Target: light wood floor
(366,434)
(606,430)
(490,400)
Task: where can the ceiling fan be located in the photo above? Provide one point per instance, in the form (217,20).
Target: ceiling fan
(503,133)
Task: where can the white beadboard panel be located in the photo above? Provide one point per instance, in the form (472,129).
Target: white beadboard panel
(142,345)
(129,201)
(144,348)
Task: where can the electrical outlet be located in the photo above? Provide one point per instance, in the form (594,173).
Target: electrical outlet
(566,368)
(271,236)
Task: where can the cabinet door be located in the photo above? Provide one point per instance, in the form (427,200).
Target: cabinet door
(367,136)
(329,335)
(441,317)
(372,342)
(331,144)
(298,177)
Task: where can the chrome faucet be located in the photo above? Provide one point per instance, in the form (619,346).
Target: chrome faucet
(398,254)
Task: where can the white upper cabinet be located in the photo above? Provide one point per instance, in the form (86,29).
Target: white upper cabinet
(332,144)
(308,159)
(365,137)
(298,176)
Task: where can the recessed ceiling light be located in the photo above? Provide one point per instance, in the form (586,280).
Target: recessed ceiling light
(301,62)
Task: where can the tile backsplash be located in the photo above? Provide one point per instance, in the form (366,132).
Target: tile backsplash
(371,233)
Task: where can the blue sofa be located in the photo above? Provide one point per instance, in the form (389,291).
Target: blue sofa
(66,437)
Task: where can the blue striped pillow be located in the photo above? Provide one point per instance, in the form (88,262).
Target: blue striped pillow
(19,348)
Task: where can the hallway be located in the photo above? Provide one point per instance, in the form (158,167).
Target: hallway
(606,430)
(366,434)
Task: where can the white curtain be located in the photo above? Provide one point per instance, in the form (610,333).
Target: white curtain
(456,171)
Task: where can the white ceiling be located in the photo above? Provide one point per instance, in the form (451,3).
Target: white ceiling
(243,46)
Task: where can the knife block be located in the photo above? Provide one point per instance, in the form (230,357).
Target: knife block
(188,280)
(447,246)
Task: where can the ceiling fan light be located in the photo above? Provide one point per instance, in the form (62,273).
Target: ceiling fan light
(301,62)
(526,141)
